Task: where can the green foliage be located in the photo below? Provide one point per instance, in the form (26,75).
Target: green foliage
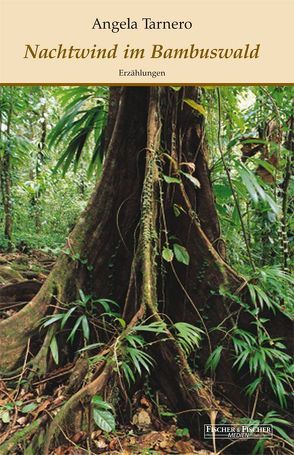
(181,254)
(84,118)
(4,415)
(169,179)
(182,432)
(29,408)
(197,107)
(266,358)
(192,179)
(255,189)
(103,414)
(245,117)
(45,207)
(272,287)
(271,418)
(79,317)
(214,358)
(19,406)
(133,359)
(54,350)
(187,335)
(167,254)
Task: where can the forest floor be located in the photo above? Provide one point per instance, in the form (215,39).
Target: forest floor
(21,276)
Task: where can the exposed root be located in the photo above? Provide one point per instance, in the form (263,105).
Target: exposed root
(8,275)
(21,435)
(21,326)
(16,330)
(75,402)
(24,291)
(39,364)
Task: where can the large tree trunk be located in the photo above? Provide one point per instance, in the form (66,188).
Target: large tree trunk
(119,239)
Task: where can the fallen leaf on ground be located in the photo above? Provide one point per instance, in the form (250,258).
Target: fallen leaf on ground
(184,447)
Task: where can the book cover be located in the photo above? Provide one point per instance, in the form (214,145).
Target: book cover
(146,227)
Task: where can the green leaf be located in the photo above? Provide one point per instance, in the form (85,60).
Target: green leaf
(249,184)
(134,358)
(54,350)
(86,328)
(29,408)
(140,358)
(84,298)
(91,346)
(9,406)
(222,191)
(252,292)
(255,189)
(106,303)
(84,120)
(104,420)
(52,319)
(167,254)
(236,218)
(98,401)
(169,179)
(188,335)
(250,389)
(5,417)
(233,141)
(178,209)
(182,432)
(195,106)
(75,328)
(135,340)
(156,327)
(122,322)
(129,375)
(181,254)
(214,358)
(259,447)
(192,179)
(283,434)
(167,414)
(269,167)
(66,316)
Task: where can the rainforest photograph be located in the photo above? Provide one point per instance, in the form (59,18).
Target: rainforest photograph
(146,285)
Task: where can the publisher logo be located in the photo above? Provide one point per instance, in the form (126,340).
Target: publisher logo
(231,431)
